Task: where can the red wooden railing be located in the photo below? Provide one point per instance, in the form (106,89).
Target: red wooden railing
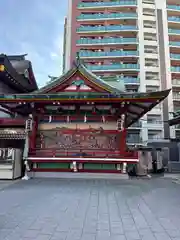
(39,156)
(77,117)
(12,121)
(85,153)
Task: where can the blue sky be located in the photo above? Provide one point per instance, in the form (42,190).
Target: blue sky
(34,27)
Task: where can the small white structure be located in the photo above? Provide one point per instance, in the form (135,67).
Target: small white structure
(145,163)
(10,163)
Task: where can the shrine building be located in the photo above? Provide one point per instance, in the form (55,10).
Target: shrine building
(76,123)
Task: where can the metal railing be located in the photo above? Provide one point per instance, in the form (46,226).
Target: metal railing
(154,137)
(176,96)
(133,140)
(175,56)
(176,82)
(107,41)
(154,122)
(107,4)
(173,43)
(107,28)
(113,67)
(129,80)
(177,126)
(173,7)
(174,19)
(173,31)
(108,54)
(125,80)
(107,16)
(175,69)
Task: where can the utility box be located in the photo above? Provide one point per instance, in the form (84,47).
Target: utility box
(10,163)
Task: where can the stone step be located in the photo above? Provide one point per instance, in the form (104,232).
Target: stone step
(76,175)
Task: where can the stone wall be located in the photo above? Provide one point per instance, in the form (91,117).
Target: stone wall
(171,154)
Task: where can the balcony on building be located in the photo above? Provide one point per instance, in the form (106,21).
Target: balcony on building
(154,135)
(174,52)
(134,139)
(150,88)
(105,29)
(173,8)
(130,90)
(107,16)
(152,78)
(157,109)
(177,127)
(119,4)
(173,13)
(109,54)
(176,109)
(177,134)
(174,44)
(176,96)
(173,21)
(137,125)
(113,67)
(175,62)
(130,82)
(176,83)
(175,69)
(174,31)
(153,82)
(154,122)
(107,41)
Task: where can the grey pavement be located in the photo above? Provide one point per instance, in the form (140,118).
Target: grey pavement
(172,175)
(93,209)
(6,183)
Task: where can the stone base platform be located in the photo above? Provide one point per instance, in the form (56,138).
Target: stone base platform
(76,175)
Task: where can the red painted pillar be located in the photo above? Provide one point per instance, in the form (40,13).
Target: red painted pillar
(123,134)
(34,133)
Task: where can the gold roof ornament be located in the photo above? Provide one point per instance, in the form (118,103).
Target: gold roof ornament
(2,68)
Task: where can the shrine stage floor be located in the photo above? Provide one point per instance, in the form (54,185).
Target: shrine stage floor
(91,209)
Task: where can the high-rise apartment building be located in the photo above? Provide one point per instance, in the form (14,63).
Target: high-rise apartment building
(132,41)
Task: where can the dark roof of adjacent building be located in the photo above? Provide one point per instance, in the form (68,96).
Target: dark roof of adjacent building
(174,121)
(17,57)
(18,73)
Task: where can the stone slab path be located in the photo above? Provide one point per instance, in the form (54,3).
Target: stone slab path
(90,209)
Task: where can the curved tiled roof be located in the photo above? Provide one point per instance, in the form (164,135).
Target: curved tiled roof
(82,69)
(18,72)
(137,104)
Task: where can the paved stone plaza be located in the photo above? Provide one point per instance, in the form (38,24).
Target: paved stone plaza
(90,209)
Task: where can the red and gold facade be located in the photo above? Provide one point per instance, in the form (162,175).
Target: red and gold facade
(79,123)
